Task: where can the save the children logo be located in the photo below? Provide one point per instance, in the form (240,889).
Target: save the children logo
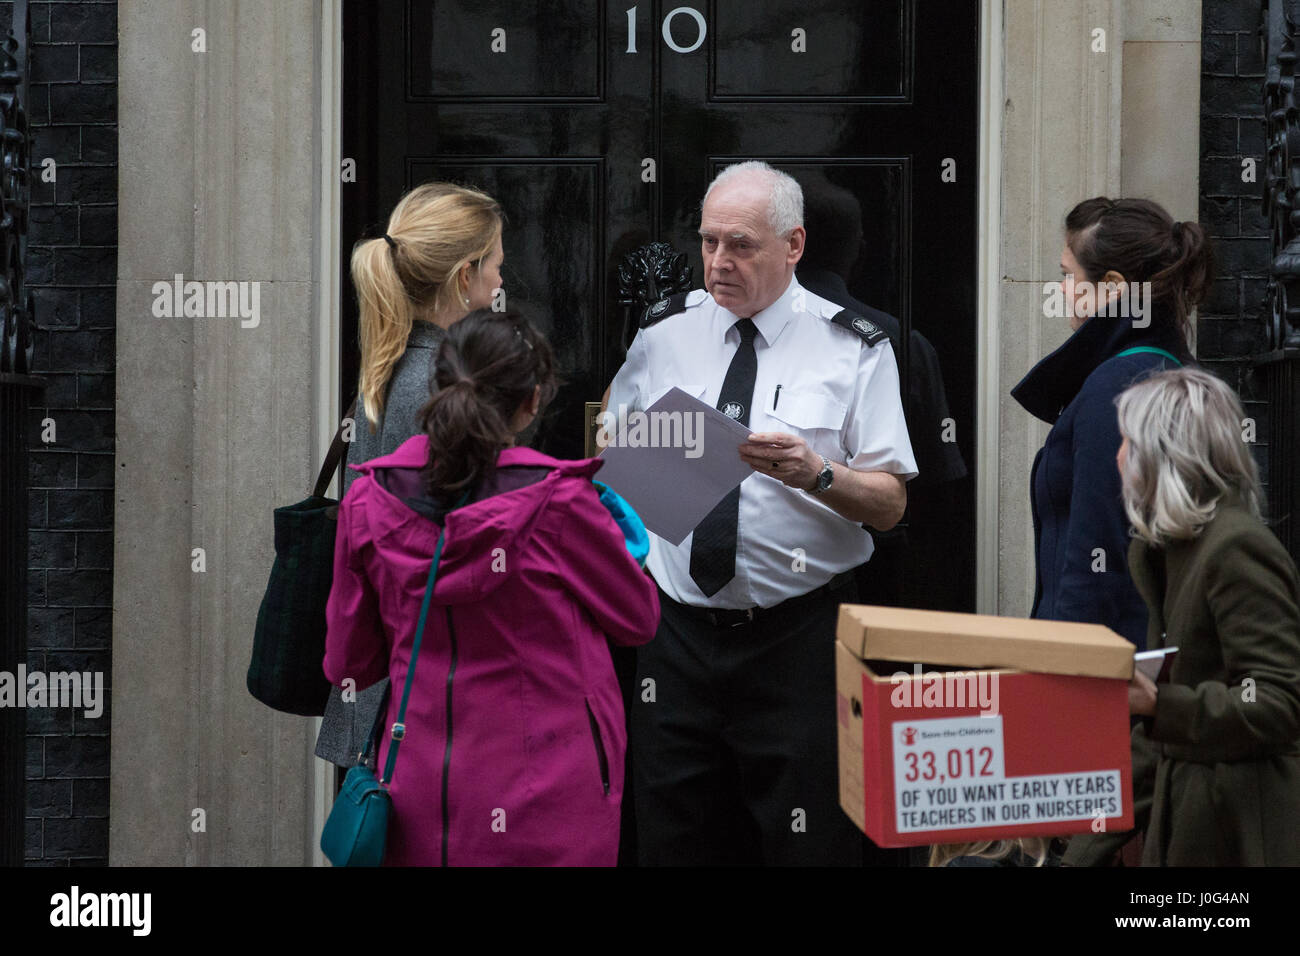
(909,736)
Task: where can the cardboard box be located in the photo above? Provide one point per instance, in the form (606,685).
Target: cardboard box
(955,728)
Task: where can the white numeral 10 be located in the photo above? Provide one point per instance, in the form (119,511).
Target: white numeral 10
(691,12)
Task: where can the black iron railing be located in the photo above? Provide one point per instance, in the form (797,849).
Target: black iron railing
(16,388)
(1278,364)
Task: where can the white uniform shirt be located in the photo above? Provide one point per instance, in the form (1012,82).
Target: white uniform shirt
(838,393)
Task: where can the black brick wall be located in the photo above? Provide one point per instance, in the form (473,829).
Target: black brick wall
(1231,324)
(72,265)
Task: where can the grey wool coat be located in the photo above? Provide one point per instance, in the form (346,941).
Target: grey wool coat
(345,725)
(1216,771)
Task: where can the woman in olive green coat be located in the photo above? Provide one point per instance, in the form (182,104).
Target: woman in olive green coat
(1216,759)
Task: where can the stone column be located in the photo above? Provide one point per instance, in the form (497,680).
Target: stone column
(1077,123)
(217,422)
(1160,148)
(1061,144)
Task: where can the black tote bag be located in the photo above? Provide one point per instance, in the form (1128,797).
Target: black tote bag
(289,641)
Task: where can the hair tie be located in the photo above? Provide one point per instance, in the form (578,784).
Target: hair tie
(1178,231)
(392,243)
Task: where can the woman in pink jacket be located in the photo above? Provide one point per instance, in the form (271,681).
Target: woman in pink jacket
(515,736)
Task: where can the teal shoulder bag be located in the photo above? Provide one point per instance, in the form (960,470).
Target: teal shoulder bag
(357,828)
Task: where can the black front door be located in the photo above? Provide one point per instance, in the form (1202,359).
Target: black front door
(598,125)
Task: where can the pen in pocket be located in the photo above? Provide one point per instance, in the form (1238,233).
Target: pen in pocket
(776,399)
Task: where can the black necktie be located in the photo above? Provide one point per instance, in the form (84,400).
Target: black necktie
(713,549)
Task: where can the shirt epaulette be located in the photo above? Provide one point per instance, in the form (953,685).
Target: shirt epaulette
(664,308)
(864,329)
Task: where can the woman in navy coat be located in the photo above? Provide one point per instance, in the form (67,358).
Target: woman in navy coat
(1132,276)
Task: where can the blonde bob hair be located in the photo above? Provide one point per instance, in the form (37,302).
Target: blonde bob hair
(436,230)
(1185,452)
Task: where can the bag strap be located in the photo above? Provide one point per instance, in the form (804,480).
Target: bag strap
(399,728)
(1153,350)
(332,457)
(372,738)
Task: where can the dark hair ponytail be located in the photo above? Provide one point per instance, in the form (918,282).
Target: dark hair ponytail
(487,367)
(1140,240)
(1193,268)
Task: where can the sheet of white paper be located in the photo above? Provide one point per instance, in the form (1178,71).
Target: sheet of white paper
(681,465)
(1151,662)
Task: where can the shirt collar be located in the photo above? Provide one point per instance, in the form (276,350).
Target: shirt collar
(771,321)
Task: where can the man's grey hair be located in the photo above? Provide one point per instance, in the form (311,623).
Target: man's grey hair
(785,197)
(1185,452)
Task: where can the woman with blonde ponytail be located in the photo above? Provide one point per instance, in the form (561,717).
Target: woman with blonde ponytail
(439,259)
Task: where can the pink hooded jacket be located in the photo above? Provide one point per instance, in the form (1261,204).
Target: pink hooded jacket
(515,736)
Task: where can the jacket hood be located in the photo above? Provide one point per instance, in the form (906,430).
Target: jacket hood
(1054,382)
(503,514)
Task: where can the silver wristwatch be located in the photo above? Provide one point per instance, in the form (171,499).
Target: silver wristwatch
(823,477)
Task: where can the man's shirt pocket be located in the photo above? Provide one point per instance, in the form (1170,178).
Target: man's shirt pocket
(813,415)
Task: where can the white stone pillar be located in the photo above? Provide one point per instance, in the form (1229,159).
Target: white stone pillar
(217,423)
(1160,151)
(1077,123)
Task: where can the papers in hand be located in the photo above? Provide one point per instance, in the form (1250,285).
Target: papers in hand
(672,462)
(1157,664)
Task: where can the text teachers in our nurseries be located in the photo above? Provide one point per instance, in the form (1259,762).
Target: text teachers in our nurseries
(950,773)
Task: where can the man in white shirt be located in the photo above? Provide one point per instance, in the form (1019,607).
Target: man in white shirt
(734,753)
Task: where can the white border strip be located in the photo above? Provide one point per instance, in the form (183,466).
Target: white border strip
(988,385)
(329,100)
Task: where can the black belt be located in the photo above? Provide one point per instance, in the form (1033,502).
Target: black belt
(735,617)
